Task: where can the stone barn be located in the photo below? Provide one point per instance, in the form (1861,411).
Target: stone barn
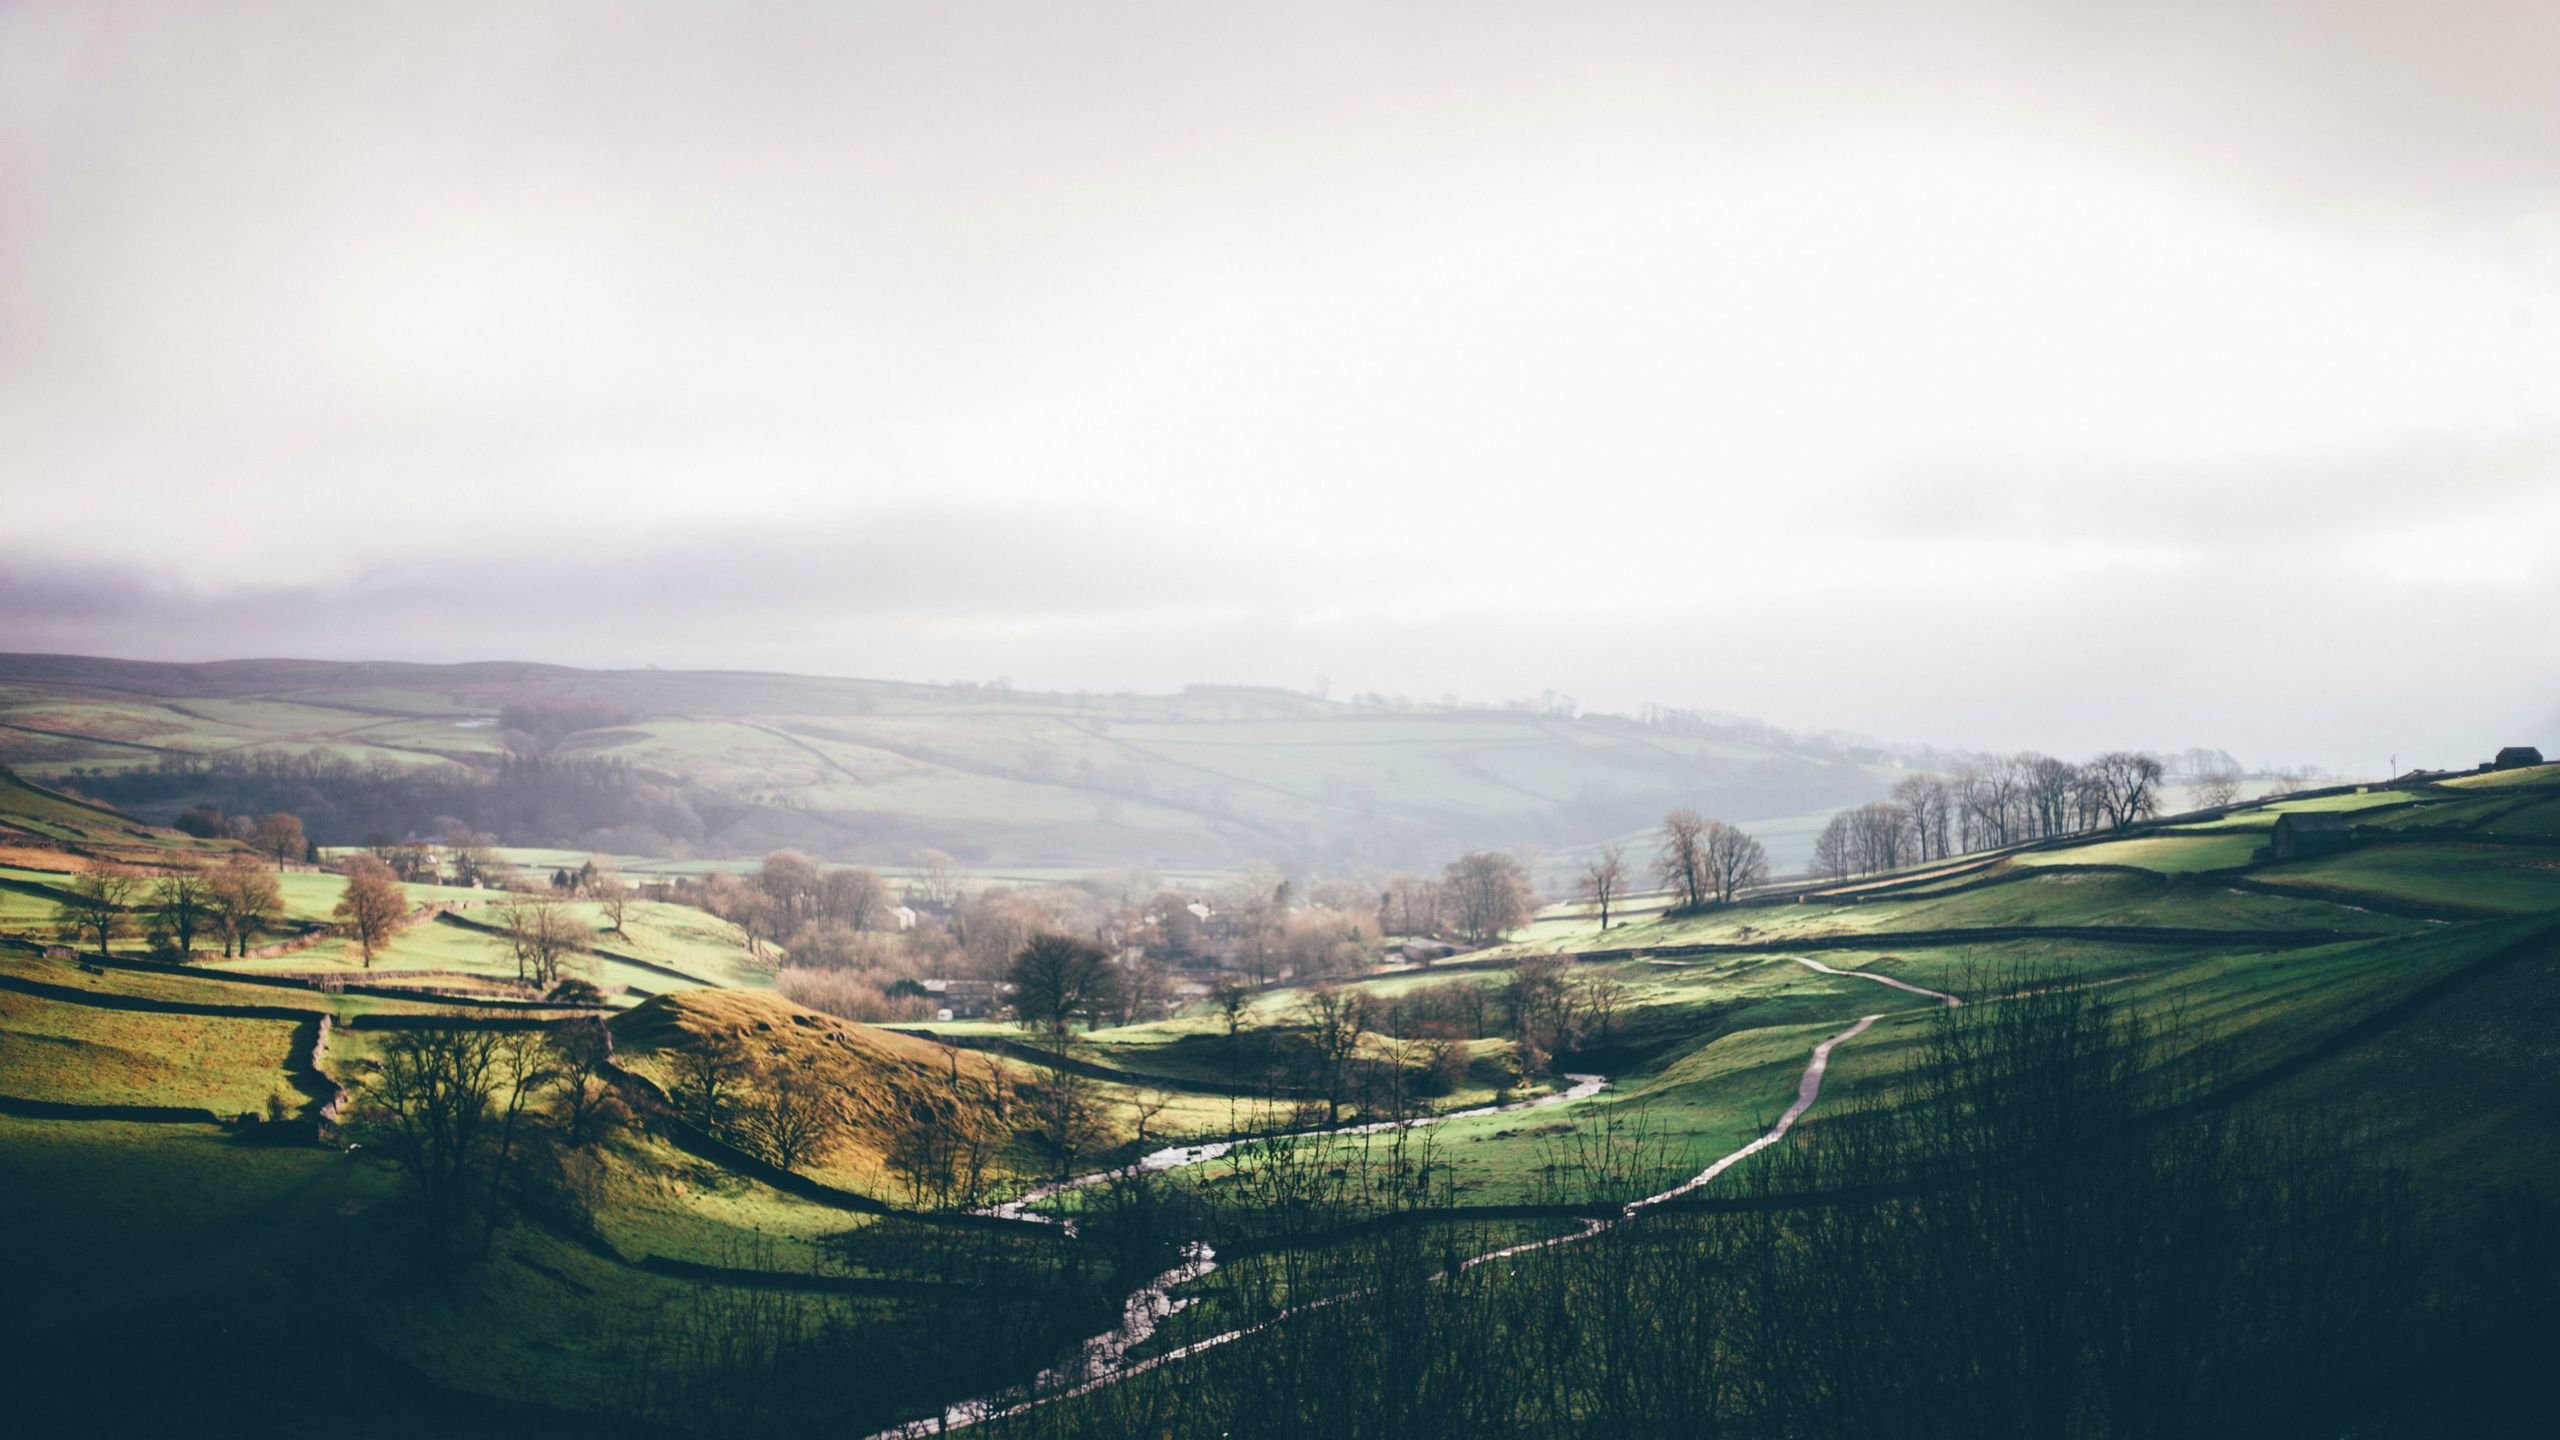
(2516,755)
(2298,835)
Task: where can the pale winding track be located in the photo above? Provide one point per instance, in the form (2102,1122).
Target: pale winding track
(1102,1360)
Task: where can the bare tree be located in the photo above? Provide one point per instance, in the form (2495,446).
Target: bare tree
(1600,996)
(475,860)
(97,905)
(1682,863)
(1604,880)
(792,1111)
(1067,1112)
(1880,831)
(792,881)
(241,898)
(2128,786)
(1488,893)
(709,1070)
(1335,1019)
(540,935)
(2216,788)
(853,896)
(523,1066)
(1256,903)
(1925,803)
(427,1105)
(1835,850)
(279,834)
(413,861)
(584,1047)
(937,879)
(1410,906)
(1992,802)
(613,897)
(181,900)
(1735,861)
(372,905)
(2048,785)
(1232,997)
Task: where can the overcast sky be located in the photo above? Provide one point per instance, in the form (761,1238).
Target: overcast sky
(1992,374)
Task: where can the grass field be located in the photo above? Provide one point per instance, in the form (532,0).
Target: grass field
(2483,877)
(58,1051)
(2434,1022)
(105,1217)
(871,771)
(2167,854)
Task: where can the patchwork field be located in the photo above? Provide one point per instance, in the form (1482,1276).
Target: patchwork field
(2403,975)
(871,771)
(79,1053)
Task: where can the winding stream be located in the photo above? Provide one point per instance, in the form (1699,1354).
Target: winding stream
(1103,1360)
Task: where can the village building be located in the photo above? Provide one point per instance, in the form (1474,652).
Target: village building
(964,999)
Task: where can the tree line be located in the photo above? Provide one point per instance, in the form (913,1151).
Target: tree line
(1997,802)
(530,798)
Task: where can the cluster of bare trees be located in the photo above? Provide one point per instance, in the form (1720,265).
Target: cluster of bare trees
(793,1106)
(466,1113)
(372,906)
(598,803)
(784,1106)
(942,1147)
(278,834)
(1703,861)
(1556,1008)
(1479,898)
(1485,893)
(1993,803)
(232,902)
(543,936)
(794,902)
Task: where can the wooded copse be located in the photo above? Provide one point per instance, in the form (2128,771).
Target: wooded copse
(1997,802)
(528,799)
(1703,862)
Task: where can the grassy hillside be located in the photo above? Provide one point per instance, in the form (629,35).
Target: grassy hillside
(873,770)
(2406,980)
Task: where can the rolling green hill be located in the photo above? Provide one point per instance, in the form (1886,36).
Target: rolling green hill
(2404,979)
(737,763)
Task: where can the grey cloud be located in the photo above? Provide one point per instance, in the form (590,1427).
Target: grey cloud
(517,294)
(945,565)
(2274,657)
(2218,504)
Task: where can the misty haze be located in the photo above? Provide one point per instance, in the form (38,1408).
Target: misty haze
(1116,719)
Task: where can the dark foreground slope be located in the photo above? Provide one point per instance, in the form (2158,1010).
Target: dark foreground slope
(2256,1149)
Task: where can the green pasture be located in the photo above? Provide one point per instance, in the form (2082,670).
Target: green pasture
(2060,898)
(55,1050)
(2169,853)
(206,985)
(105,1217)
(658,1200)
(2505,779)
(2481,877)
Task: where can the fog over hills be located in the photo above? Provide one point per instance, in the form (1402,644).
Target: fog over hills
(738,762)
(1961,373)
